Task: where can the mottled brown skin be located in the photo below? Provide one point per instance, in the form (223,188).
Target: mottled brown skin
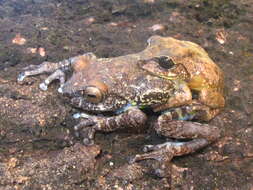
(174,78)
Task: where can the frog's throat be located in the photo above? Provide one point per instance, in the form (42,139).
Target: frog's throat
(125,108)
(129,106)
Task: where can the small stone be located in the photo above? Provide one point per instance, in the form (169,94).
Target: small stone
(89,20)
(158,27)
(221,36)
(19,40)
(13,162)
(31,50)
(42,52)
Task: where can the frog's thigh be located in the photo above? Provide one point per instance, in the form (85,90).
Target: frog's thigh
(186,129)
(201,134)
(211,98)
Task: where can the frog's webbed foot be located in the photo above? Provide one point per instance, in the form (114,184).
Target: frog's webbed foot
(167,150)
(86,130)
(57,75)
(164,153)
(32,70)
(201,135)
(46,67)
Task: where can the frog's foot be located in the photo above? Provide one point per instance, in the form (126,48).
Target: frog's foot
(45,67)
(167,150)
(87,127)
(201,135)
(32,70)
(163,153)
(57,75)
(86,131)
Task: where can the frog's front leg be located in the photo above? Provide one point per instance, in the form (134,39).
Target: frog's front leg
(131,118)
(55,69)
(201,135)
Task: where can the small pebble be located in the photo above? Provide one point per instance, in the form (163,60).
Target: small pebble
(157,27)
(19,40)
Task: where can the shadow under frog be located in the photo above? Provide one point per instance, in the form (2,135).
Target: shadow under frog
(175,78)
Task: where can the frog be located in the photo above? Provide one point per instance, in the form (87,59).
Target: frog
(175,79)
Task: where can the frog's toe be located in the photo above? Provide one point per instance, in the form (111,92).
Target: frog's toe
(159,155)
(84,124)
(60,89)
(81,115)
(87,141)
(160,172)
(148,148)
(167,150)
(86,131)
(57,75)
(132,159)
(88,135)
(161,168)
(43,86)
(21,77)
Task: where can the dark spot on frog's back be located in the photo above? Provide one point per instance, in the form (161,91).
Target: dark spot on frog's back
(165,62)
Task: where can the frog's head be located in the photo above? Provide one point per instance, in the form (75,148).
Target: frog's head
(93,87)
(165,67)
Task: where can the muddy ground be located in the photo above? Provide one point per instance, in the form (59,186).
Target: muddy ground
(37,147)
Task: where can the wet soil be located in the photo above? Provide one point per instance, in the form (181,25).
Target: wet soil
(37,147)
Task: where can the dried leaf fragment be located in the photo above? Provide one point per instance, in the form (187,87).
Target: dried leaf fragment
(89,20)
(42,51)
(31,50)
(18,39)
(158,27)
(221,36)
(12,163)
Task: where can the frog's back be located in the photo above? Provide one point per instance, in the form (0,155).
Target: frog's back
(193,57)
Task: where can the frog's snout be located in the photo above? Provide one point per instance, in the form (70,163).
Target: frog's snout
(76,94)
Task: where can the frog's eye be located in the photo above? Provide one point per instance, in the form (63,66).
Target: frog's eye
(164,62)
(93,94)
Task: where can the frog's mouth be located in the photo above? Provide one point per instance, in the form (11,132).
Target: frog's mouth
(111,106)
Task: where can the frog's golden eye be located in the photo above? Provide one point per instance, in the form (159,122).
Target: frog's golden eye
(93,94)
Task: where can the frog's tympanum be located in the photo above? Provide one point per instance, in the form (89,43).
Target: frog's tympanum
(176,79)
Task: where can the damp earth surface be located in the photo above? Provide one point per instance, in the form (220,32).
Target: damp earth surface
(37,145)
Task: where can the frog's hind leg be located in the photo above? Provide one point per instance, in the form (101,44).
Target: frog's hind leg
(200,134)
